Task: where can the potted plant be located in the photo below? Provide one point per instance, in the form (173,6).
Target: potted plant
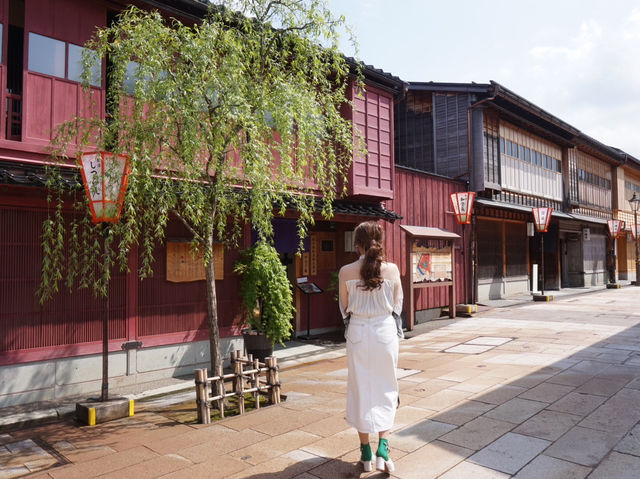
(266,297)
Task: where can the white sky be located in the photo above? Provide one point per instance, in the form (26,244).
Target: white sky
(577,59)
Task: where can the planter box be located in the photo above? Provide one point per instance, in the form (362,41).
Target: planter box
(257,344)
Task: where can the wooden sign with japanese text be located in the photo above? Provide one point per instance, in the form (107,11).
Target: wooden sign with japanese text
(184,265)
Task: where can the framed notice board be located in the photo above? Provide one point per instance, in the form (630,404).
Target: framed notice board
(431,264)
(185,265)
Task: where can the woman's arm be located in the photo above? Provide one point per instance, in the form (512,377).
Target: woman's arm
(398,295)
(343,294)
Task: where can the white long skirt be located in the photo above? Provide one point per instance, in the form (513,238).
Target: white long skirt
(372,386)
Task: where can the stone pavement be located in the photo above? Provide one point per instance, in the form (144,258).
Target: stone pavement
(535,390)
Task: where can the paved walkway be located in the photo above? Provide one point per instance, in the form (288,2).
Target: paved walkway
(534,390)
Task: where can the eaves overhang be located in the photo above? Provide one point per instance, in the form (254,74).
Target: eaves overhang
(439,87)
(194,10)
(521,208)
(378,77)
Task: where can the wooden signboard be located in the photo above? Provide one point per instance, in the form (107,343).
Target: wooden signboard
(323,251)
(431,264)
(184,265)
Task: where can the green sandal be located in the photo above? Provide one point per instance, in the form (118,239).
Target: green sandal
(366,456)
(383,463)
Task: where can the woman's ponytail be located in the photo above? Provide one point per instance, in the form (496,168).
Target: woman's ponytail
(370,236)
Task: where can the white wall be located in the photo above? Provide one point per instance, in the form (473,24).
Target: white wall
(68,377)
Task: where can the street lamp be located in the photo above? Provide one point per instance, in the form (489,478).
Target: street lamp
(105,177)
(463,208)
(615,228)
(635,203)
(541,218)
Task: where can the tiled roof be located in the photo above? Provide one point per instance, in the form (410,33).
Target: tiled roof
(370,210)
(24,174)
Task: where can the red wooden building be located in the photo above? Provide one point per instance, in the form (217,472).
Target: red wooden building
(423,199)
(52,350)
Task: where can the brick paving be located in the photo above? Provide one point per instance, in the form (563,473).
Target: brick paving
(537,390)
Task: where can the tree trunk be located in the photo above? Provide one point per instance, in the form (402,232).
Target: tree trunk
(212,313)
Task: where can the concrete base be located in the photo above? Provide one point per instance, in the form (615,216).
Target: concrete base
(466,308)
(542,297)
(94,412)
(613,286)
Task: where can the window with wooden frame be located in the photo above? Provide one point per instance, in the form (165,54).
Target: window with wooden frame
(60,59)
(520,144)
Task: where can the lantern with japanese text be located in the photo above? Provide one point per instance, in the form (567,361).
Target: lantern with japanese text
(615,227)
(463,206)
(105,177)
(541,218)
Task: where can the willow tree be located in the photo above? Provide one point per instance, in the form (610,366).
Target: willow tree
(232,120)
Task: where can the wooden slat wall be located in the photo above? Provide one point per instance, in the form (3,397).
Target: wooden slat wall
(414,131)
(68,318)
(589,194)
(423,200)
(167,307)
(523,177)
(451,136)
(154,310)
(4,19)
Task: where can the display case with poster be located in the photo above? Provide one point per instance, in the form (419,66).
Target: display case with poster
(431,262)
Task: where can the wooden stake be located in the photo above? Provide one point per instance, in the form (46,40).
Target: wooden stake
(202,397)
(270,379)
(221,391)
(276,381)
(199,394)
(256,382)
(239,386)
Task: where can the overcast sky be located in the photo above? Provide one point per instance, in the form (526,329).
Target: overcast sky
(577,59)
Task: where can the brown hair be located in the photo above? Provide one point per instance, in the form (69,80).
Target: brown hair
(370,236)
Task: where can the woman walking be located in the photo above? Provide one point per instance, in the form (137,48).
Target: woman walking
(370,294)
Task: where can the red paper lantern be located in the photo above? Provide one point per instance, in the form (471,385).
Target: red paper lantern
(615,227)
(463,206)
(542,217)
(105,177)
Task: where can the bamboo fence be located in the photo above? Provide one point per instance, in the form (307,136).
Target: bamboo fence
(245,379)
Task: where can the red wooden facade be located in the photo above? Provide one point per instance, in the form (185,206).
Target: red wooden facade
(372,174)
(154,311)
(423,200)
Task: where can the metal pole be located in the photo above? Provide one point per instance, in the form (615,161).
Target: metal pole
(635,225)
(474,260)
(105,325)
(308,316)
(542,262)
(465,263)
